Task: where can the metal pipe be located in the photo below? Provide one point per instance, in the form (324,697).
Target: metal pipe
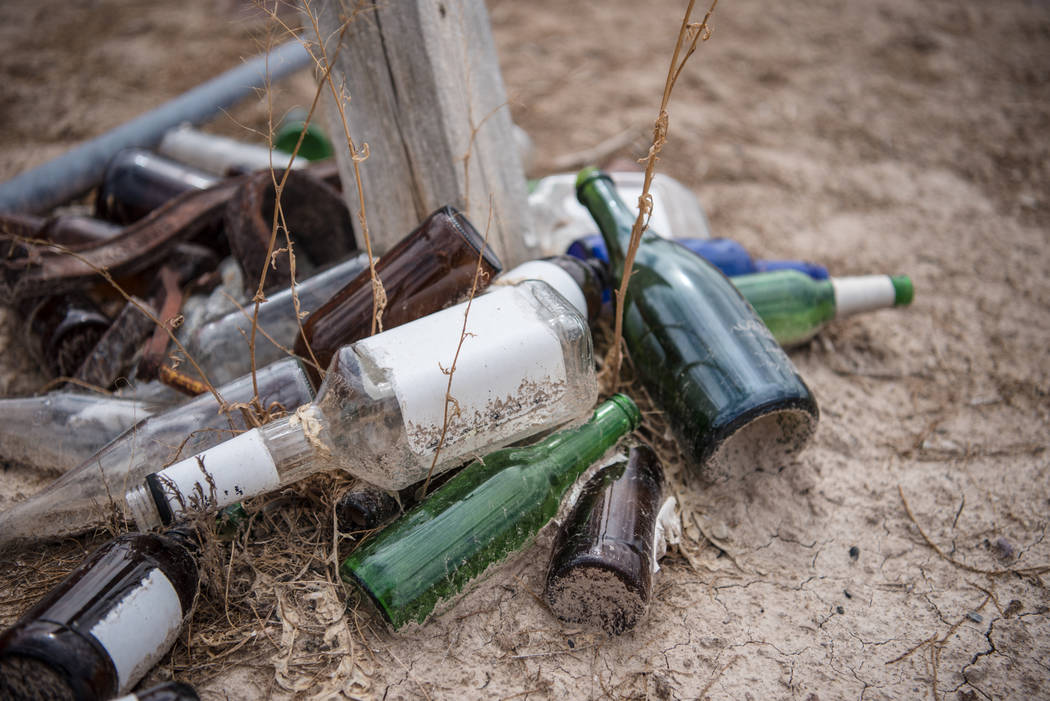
(77,171)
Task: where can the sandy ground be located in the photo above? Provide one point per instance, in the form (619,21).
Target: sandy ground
(873,136)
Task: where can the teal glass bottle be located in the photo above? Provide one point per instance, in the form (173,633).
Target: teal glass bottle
(732,397)
(795,306)
(490,510)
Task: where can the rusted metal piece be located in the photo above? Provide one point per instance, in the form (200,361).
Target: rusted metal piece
(31,269)
(113,353)
(317,218)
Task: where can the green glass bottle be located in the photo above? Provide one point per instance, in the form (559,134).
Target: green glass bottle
(795,306)
(490,510)
(733,399)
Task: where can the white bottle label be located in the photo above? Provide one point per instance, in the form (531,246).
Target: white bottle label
(553,276)
(862,293)
(510,371)
(141,628)
(239,468)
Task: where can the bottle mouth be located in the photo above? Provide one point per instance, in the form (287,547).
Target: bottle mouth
(588,175)
(628,407)
(473,238)
(903,290)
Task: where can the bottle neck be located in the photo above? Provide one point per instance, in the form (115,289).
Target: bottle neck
(569,453)
(595,191)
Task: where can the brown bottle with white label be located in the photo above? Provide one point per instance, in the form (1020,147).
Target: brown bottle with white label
(98,632)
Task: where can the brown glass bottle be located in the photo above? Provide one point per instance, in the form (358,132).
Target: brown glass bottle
(137,181)
(63,329)
(426,271)
(601,565)
(106,624)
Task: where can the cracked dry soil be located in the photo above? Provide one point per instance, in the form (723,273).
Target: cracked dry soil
(878,136)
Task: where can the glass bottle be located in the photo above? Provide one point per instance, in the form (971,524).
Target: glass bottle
(725,254)
(168,691)
(730,393)
(138,181)
(559,219)
(220,346)
(221,155)
(428,270)
(106,624)
(62,330)
(601,565)
(59,430)
(493,508)
(525,365)
(89,494)
(315,146)
(795,306)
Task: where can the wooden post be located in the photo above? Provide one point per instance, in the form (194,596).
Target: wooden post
(422,88)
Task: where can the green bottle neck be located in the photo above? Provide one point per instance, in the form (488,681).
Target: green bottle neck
(596,191)
(568,453)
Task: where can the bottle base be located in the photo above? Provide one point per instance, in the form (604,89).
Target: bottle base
(761,442)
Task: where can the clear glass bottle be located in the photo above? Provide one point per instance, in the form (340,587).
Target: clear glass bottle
(492,509)
(105,625)
(221,155)
(91,493)
(731,395)
(59,430)
(795,306)
(525,365)
(220,346)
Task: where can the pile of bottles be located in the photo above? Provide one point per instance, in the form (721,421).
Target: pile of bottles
(464,359)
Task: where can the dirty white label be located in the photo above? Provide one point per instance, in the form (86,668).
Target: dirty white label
(510,371)
(862,293)
(241,467)
(554,276)
(141,628)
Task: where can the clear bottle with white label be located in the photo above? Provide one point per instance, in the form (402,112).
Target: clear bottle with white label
(90,494)
(524,365)
(104,626)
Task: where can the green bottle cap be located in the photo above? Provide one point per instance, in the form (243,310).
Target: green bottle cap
(903,290)
(587,175)
(627,405)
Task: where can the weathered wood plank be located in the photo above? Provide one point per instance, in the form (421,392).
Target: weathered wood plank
(426,96)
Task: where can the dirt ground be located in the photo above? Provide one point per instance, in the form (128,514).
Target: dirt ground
(903,555)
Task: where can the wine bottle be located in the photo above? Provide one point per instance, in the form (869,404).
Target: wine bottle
(795,306)
(221,155)
(493,508)
(725,254)
(220,346)
(59,430)
(525,365)
(601,566)
(106,624)
(731,395)
(89,494)
(426,271)
(138,181)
